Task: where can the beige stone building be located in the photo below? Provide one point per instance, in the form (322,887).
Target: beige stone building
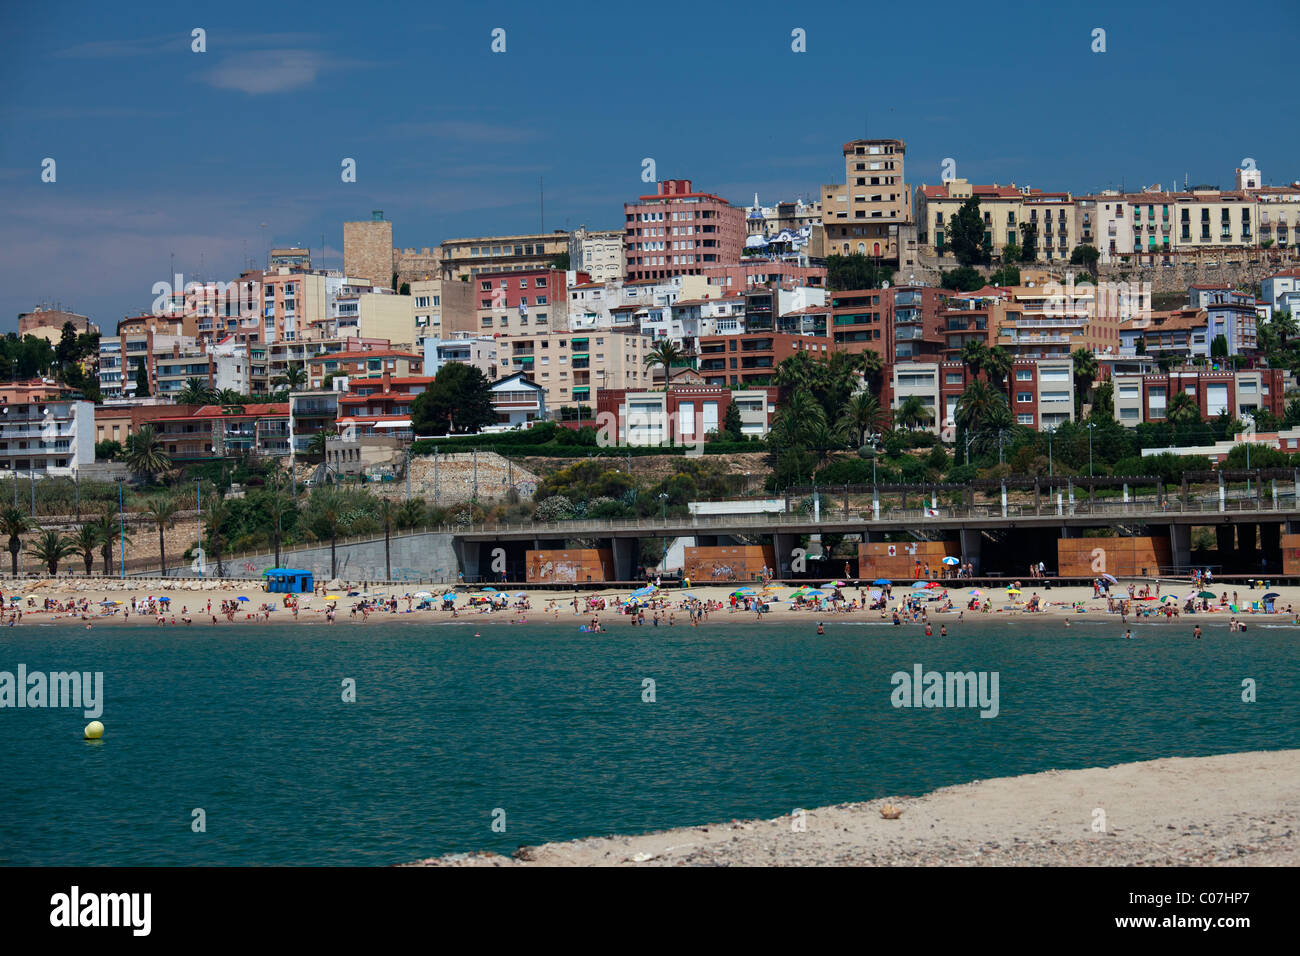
(599,254)
(863,214)
(368,249)
(1005,209)
(469,257)
(571,367)
(443,308)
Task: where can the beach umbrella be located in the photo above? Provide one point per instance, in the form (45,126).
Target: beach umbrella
(744,591)
(240,598)
(876,595)
(950,561)
(488,590)
(883,582)
(1013,590)
(645,591)
(1271,596)
(975,592)
(933,584)
(1169,597)
(814,592)
(1110,578)
(919,585)
(834,584)
(333,597)
(1207,595)
(422,595)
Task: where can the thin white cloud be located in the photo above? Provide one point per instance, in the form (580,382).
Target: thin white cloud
(267,71)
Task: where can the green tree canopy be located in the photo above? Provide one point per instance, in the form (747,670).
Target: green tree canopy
(459,400)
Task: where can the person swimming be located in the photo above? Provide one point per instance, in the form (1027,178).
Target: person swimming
(820,628)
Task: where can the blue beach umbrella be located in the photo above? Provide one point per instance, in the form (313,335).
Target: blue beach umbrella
(883,582)
(919,586)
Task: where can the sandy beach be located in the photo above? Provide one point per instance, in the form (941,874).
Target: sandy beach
(1230,810)
(191,597)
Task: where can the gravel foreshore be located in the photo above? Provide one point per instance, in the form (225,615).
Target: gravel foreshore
(1228,810)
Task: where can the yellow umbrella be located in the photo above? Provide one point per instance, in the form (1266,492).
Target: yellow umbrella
(1013,590)
(333,597)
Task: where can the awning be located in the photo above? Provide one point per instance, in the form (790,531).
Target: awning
(404,423)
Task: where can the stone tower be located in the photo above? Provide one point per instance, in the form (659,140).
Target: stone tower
(368,249)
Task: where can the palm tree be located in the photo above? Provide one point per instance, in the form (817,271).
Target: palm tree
(144,453)
(293,378)
(974,355)
(1085,372)
(50,547)
(278,505)
(666,353)
(388,513)
(110,530)
(412,514)
(316,445)
(162,510)
(1182,409)
(861,416)
(912,412)
(979,406)
(85,543)
(14,524)
(1284,324)
(872,367)
(329,507)
(214,523)
(997,364)
(195,392)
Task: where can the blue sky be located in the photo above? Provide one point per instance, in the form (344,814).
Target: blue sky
(161,151)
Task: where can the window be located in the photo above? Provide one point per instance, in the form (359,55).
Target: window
(1024,375)
(1025,418)
(1022,397)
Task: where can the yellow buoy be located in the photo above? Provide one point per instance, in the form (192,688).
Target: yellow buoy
(94,730)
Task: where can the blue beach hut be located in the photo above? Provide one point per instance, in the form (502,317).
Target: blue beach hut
(289,581)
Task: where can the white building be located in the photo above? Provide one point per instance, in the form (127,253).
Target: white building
(45,438)
(599,254)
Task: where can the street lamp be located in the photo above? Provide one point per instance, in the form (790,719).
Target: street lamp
(1050,432)
(1091,426)
(121,526)
(198,502)
(663,513)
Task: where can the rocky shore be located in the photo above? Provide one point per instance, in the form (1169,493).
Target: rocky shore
(1228,810)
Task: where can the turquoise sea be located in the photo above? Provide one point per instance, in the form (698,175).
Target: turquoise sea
(548,725)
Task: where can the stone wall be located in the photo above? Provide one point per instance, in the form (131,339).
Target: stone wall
(456,482)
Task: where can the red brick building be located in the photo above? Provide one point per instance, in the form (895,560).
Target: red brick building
(678,231)
(752,358)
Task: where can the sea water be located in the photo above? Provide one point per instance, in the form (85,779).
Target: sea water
(237,745)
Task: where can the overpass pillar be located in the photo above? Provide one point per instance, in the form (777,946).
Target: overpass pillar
(783,544)
(1180,545)
(1270,546)
(626,551)
(971,541)
(468,557)
(1246,539)
(1225,541)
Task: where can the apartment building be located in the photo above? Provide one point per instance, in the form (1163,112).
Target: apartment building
(1051,320)
(684,413)
(572,366)
(599,254)
(1146,398)
(752,358)
(443,308)
(531,298)
(479,351)
(219,367)
(467,258)
(365,363)
(757,271)
(971,317)
(620,304)
(231,431)
(310,413)
(864,213)
(859,321)
(1040,393)
(794,215)
(1005,210)
(380,407)
(517,400)
(135,346)
(677,231)
(1281,291)
(46,429)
